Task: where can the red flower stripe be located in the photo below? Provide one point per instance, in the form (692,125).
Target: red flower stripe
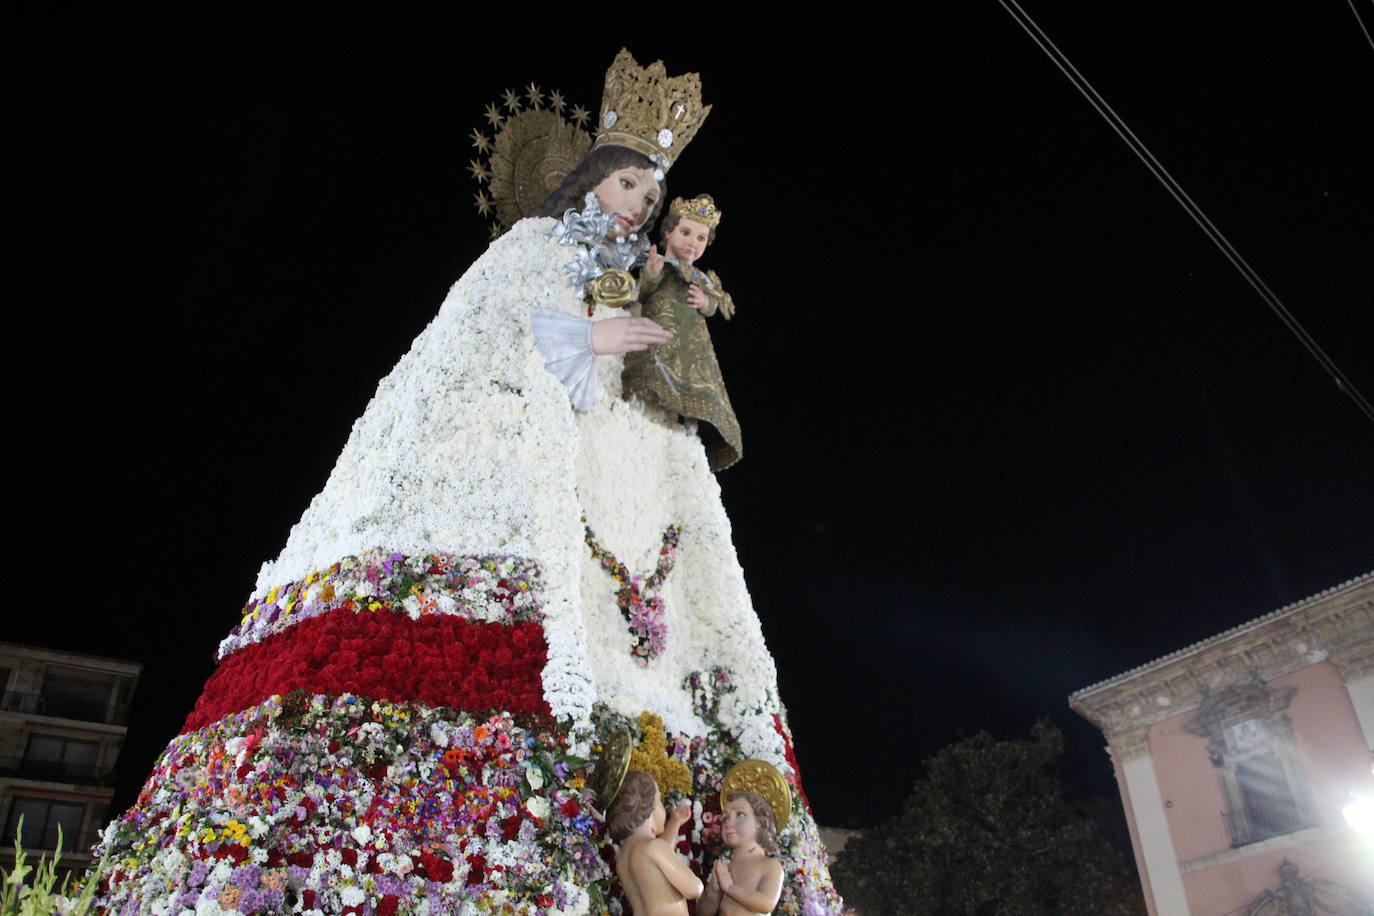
(439,660)
(791,755)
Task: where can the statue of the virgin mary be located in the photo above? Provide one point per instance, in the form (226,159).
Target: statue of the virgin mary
(508,565)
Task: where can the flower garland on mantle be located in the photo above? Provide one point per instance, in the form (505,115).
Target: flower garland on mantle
(637,596)
(502,589)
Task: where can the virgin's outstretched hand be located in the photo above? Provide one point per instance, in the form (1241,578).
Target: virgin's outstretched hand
(613,336)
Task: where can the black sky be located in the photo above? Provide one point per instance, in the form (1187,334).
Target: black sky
(1013,425)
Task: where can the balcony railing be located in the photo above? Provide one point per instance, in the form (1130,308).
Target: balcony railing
(55,771)
(74,842)
(82,710)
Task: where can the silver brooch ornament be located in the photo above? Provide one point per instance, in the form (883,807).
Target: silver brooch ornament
(609,121)
(665,138)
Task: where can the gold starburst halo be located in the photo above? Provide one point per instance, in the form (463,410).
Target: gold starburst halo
(533,151)
(646,110)
(764,780)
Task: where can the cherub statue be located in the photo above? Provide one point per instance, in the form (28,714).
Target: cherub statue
(681,374)
(752,880)
(656,881)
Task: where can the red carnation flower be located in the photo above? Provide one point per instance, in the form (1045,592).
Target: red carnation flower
(477,869)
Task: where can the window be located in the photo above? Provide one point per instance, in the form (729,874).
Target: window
(1251,745)
(72,697)
(42,818)
(56,757)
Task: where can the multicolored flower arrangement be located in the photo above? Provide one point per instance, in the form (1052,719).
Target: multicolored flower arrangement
(637,596)
(341,804)
(501,589)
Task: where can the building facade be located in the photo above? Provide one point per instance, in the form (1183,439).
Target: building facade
(62,722)
(1236,755)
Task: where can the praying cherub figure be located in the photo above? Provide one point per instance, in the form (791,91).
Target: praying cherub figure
(656,881)
(752,881)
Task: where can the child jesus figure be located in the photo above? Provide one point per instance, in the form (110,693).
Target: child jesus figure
(681,374)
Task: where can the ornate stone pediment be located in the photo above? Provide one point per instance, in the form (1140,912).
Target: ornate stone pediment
(1336,625)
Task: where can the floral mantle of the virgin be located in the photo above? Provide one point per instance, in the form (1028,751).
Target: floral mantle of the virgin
(404,718)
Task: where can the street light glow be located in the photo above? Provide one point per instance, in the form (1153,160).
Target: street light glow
(1359,813)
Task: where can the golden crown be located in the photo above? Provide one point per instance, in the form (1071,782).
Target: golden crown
(644,109)
(700,209)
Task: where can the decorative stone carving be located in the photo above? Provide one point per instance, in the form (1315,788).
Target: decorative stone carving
(1337,625)
(1131,743)
(1307,897)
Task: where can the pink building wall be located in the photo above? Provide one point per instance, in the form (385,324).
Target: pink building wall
(1335,761)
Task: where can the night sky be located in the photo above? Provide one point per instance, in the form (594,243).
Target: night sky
(1013,425)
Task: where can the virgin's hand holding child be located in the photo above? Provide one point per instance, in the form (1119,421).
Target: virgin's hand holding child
(614,336)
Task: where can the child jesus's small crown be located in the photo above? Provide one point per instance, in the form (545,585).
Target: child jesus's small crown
(699,209)
(646,110)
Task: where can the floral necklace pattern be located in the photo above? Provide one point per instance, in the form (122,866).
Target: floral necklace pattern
(637,596)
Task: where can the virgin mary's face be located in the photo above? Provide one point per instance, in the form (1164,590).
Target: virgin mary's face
(630,193)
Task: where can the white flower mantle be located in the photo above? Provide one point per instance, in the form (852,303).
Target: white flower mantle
(470,446)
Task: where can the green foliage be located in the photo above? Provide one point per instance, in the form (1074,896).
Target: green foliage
(986,831)
(20,897)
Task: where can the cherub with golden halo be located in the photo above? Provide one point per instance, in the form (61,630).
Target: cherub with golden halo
(755,803)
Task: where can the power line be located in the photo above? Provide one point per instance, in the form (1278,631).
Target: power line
(1156,168)
(1360,20)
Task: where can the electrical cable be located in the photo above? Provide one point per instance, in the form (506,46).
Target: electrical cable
(1360,20)
(1156,168)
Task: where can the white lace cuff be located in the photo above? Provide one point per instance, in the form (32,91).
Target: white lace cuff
(565,342)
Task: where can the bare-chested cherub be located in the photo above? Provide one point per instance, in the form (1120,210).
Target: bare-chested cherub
(655,879)
(752,882)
